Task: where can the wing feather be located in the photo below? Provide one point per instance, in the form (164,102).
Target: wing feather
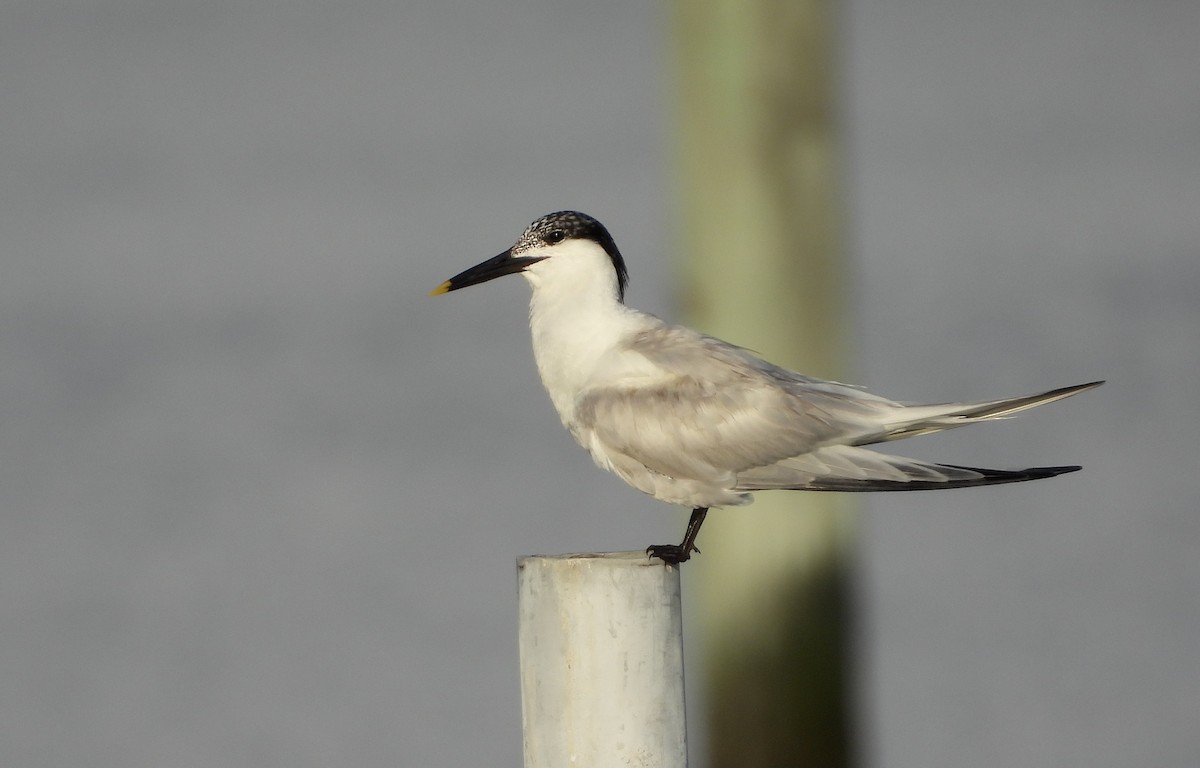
(690,407)
(703,407)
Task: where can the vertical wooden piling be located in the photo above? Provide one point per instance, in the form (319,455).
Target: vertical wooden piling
(601,644)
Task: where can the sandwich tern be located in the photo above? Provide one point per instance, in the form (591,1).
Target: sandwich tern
(695,421)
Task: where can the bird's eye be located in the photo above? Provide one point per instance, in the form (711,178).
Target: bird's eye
(555,236)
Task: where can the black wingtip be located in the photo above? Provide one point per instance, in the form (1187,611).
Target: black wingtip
(1083,387)
(986,477)
(1040,472)
(1017,475)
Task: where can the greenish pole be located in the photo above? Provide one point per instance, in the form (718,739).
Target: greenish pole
(759,234)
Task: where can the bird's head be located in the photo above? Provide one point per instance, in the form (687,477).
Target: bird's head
(556,248)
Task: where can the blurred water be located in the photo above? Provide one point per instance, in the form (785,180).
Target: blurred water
(260,499)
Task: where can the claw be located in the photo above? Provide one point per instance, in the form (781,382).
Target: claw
(671,554)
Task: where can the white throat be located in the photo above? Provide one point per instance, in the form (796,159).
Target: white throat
(576,319)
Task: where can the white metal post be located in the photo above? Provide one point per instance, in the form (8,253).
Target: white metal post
(601,642)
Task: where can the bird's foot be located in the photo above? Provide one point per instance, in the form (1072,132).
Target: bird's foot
(674,554)
(671,554)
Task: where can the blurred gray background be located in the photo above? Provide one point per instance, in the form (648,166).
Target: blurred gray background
(260,498)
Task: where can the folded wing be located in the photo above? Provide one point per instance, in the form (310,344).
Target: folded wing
(707,410)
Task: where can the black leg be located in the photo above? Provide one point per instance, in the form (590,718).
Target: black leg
(674,554)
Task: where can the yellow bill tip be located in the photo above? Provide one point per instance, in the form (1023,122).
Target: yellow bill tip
(443,288)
